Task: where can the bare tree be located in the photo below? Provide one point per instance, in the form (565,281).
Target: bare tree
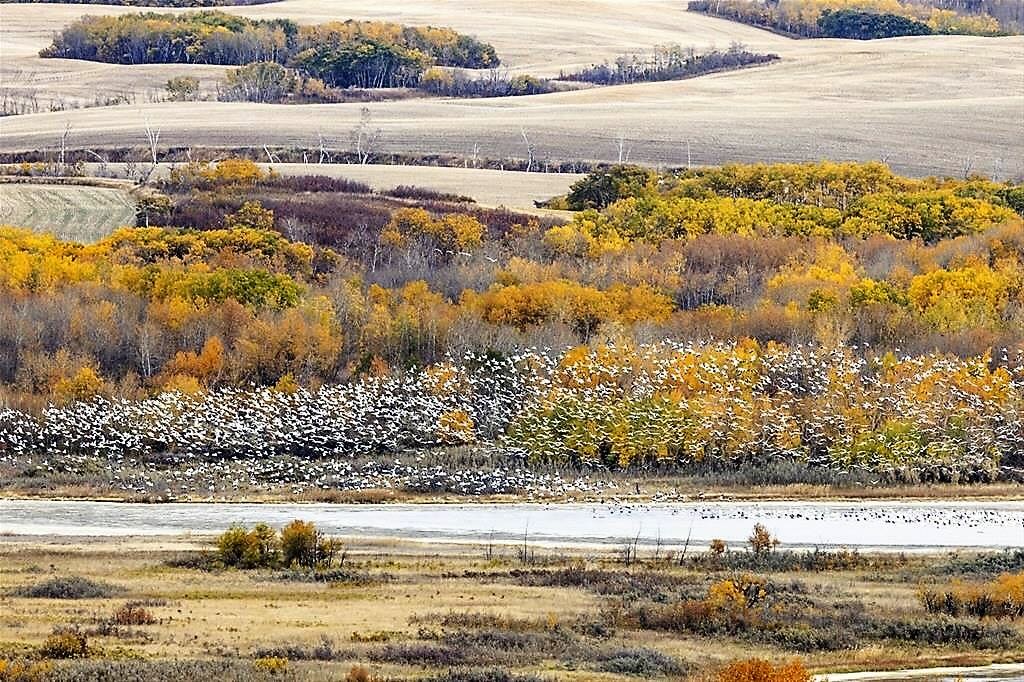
(624,150)
(968,166)
(325,154)
(64,148)
(364,137)
(152,139)
(102,161)
(531,150)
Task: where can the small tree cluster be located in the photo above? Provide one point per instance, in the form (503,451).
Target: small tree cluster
(299,544)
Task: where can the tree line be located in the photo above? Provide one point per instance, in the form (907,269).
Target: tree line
(248,284)
(861,19)
(343,54)
(667,62)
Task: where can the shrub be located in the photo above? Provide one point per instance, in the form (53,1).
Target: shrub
(299,544)
(1002,598)
(420,653)
(950,632)
(640,662)
(182,88)
(359,673)
(65,643)
(761,540)
(24,671)
(424,194)
(986,563)
(758,670)
(70,587)
(271,665)
(667,62)
(241,548)
(133,613)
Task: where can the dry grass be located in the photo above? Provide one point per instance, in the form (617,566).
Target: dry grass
(233,614)
(72,212)
(936,104)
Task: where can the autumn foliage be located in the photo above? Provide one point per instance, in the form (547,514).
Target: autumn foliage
(1001,598)
(759,670)
(826,314)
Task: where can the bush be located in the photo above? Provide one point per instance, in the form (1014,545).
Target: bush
(640,662)
(423,194)
(950,632)
(271,665)
(421,654)
(70,587)
(132,613)
(241,548)
(668,62)
(758,670)
(155,670)
(62,644)
(358,673)
(761,540)
(182,88)
(487,675)
(1002,598)
(987,563)
(24,671)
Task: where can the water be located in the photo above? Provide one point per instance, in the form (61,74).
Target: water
(882,526)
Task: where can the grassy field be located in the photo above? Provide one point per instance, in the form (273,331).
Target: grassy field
(72,212)
(400,609)
(937,104)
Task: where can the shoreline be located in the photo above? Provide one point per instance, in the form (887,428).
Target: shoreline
(377,496)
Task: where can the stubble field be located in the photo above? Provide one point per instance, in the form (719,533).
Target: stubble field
(73,212)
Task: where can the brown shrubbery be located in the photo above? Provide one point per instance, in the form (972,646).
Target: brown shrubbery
(65,643)
(759,670)
(1001,598)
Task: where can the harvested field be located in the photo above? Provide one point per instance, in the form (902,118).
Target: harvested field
(72,212)
(491,188)
(928,105)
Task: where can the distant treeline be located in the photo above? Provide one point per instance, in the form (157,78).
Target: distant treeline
(667,62)
(1009,13)
(450,83)
(341,54)
(861,19)
(858,25)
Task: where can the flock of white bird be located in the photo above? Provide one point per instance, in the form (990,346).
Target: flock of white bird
(931,417)
(922,417)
